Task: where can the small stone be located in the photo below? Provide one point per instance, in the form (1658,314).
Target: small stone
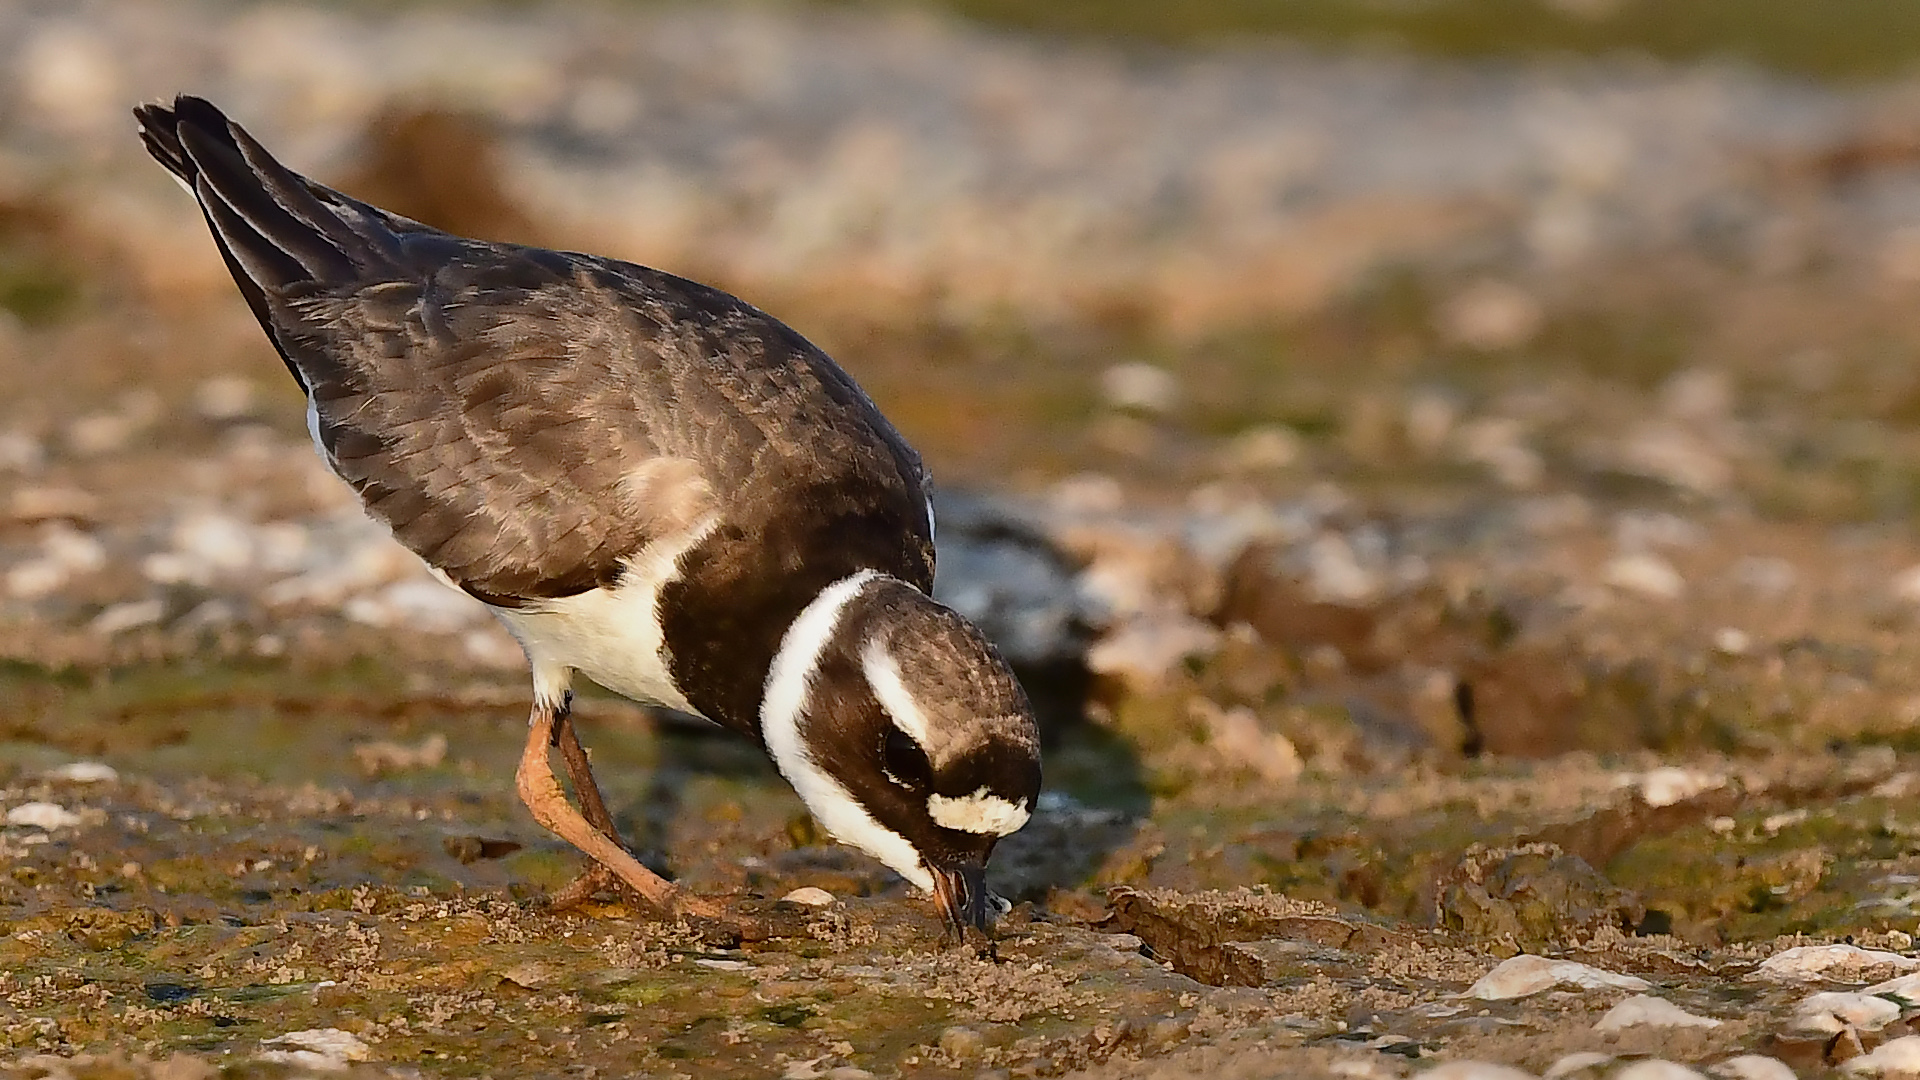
(1498,443)
(131,615)
(20,452)
(530,974)
(1527,974)
(36,578)
(420,604)
(1141,387)
(962,1043)
(1474,1070)
(1489,315)
(84,772)
(1833,1013)
(30,505)
(1366,1068)
(42,815)
(722,964)
(1144,651)
(1657,1070)
(1267,448)
(381,756)
(325,1049)
(225,397)
(847,1072)
(1732,642)
(1906,585)
(1644,1010)
(1805,963)
(1668,785)
(1572,1064)
(1644,574)
(810,896)
(1752,1067)
(1235,734)
(1894,1058)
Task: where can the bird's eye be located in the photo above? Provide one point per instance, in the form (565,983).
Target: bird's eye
(905,763)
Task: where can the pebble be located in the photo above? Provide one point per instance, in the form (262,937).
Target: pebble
(1804,963)
(810,896)
(42,815)
(325,1049)
(1145,650)
(84,772)
(1578,1062)
(1833,1013)
(1657,1070)
(1269,447)
(1894,1058)
(721,964)
(1732,641)
(1236,735)
(1752,1067)
(1906,585)
(1526,974)
(224,397)
(20,452)
(1491,315)
(129,615)
(421,604)
(37,504)
(1337,573)
(1475,1070)
(1644,574)
(1668,785)
(64,553)
(1644,1010)
(962,1043)
(1141,387)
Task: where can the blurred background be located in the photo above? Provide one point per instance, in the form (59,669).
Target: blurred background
(1315,387)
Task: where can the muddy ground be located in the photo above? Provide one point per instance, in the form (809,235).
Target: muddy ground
(1471,592)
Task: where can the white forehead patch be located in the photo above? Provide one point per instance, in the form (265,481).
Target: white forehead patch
(883,674)
(980,812)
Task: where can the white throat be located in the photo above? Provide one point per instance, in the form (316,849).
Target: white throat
(789,685)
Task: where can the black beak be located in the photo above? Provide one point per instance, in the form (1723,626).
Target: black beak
(961,893)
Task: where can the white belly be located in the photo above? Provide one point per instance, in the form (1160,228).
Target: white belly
(612,636)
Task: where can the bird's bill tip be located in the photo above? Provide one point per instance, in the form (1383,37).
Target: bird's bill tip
(960,892)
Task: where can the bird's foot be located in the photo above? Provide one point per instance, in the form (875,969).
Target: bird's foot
(590,883)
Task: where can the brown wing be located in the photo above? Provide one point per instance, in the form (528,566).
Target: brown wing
(523,419)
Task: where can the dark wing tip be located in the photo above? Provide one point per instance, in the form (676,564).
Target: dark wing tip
(160,134)
(161,128)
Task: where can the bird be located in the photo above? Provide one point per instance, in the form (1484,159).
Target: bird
(649,483)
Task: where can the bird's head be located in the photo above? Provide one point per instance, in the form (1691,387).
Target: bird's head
(906,735)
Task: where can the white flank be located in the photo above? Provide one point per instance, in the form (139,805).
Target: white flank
(980,812)
(883,674)
(789,682)
(612,636)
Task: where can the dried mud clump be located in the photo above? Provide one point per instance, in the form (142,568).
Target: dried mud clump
(1242,938)
(1532,897)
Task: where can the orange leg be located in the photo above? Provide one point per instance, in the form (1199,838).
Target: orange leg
(540,790)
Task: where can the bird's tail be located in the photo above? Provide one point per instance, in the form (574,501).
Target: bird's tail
(281,234)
